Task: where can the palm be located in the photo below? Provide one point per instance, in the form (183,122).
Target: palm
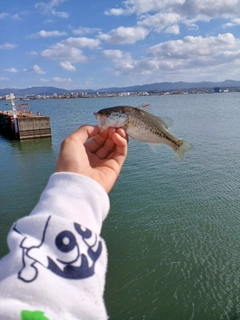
(100,158)
(105,158)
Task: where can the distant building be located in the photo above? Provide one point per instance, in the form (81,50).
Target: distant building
(216,89)
(124,94)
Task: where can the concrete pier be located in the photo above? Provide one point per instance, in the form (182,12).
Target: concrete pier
(27,125)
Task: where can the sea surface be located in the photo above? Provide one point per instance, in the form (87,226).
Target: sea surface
(173,232)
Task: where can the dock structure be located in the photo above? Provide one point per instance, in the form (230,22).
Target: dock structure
(20,123)
(24,125)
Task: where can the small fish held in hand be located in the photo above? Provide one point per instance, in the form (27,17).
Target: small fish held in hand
(142,126)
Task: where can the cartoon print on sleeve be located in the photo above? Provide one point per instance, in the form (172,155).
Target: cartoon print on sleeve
(71,253)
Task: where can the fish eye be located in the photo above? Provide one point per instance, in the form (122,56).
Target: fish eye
(107,112)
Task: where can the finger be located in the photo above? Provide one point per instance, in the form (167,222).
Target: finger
(97,141)
(120,152)
(109,145)
(121,132)
(116,148)
(84,132)
(106,149)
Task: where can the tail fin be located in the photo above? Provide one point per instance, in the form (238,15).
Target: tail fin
(185,146)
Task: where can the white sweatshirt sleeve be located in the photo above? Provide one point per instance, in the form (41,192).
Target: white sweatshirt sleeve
(57,261)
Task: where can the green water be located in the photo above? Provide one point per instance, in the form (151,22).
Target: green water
(173,233)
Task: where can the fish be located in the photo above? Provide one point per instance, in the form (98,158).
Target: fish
(142,126)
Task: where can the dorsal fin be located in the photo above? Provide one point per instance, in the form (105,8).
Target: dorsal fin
(143,106)
(168,122)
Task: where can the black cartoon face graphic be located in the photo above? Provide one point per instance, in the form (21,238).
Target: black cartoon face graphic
(72,253)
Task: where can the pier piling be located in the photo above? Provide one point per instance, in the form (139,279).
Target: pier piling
(25,126)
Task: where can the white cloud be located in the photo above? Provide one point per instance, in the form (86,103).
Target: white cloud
(210,8)
(49,21)
(162,21)
(57,80)
(113,54)
(64,52)
(124,35)
(4,79)
(36,69)
(6,46)
(44,80)
(16,16)
(60,14)
(228,25)
(81,42)
(195,47)
(143,6)
(32,53)
(62,80)
(68,50)
(124,64)
(11,70)
(174,29)
(234,22)
(48,34)
(4,15)
(117,12)
(66,65)
(167,15)
(81,31)
(186,57)
(49,8)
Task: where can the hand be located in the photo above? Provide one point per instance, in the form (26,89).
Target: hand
(100,158)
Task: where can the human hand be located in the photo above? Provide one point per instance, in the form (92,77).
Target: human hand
(100,158)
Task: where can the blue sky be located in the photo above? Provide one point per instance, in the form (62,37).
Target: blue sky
(79,44)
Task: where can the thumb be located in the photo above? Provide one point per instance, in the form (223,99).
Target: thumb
(85,132)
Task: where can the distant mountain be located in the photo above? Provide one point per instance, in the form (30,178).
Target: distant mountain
(153,87)
(164,86)
(38,90)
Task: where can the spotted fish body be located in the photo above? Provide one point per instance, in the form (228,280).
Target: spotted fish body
(142,126)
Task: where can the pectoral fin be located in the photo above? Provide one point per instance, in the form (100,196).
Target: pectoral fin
(168,122)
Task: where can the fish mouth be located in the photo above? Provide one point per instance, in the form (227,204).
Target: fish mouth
(99,116)
(100,120)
